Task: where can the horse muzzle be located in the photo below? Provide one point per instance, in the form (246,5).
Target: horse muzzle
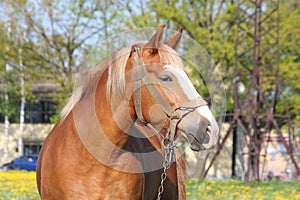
(202,132)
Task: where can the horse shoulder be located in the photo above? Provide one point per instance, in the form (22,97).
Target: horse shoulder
(66,170)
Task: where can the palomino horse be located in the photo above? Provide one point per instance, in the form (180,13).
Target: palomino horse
(119,136)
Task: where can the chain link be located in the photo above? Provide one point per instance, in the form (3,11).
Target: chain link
(169,157)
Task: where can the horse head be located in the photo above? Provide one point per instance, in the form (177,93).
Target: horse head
(164,95)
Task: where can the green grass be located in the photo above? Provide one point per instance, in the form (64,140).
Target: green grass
(20,185)
(238,190)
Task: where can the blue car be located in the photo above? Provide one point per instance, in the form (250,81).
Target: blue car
(26,162)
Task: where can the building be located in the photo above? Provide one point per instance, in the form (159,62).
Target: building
(37,124)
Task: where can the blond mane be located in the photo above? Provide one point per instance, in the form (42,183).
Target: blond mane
(115,65)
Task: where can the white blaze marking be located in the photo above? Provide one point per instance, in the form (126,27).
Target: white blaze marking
(190,91)
(205,112)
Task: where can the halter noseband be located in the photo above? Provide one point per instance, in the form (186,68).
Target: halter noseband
(174,117)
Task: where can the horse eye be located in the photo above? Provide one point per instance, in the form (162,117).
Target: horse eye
(165,79)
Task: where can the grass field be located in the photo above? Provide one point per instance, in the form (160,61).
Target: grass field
(20,185)
(237,190)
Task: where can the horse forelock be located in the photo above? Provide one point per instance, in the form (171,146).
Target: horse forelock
(170,57)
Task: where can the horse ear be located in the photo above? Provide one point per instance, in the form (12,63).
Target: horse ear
(175,40)
(156,41)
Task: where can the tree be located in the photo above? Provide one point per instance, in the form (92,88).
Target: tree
(60,36)
(8,88)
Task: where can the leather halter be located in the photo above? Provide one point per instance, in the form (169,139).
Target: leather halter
(140,77)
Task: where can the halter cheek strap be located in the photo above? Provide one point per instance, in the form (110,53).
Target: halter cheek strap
(139,73)
(171,113)
(140,77)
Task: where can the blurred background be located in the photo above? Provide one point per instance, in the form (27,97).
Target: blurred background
(253,44)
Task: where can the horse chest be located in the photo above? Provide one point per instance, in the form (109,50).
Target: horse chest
(118,185)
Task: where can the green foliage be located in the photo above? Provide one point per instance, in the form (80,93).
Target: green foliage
(8,85)
(7,107)
(11,54)
(290,60)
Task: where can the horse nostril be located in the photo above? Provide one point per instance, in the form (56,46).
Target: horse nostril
(207,134)
(204,131)
(208,128)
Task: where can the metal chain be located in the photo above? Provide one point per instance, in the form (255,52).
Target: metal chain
(169,157)
(168,145)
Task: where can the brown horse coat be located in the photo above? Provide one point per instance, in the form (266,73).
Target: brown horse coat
(98,149)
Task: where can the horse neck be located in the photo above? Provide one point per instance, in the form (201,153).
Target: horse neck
(114,118)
